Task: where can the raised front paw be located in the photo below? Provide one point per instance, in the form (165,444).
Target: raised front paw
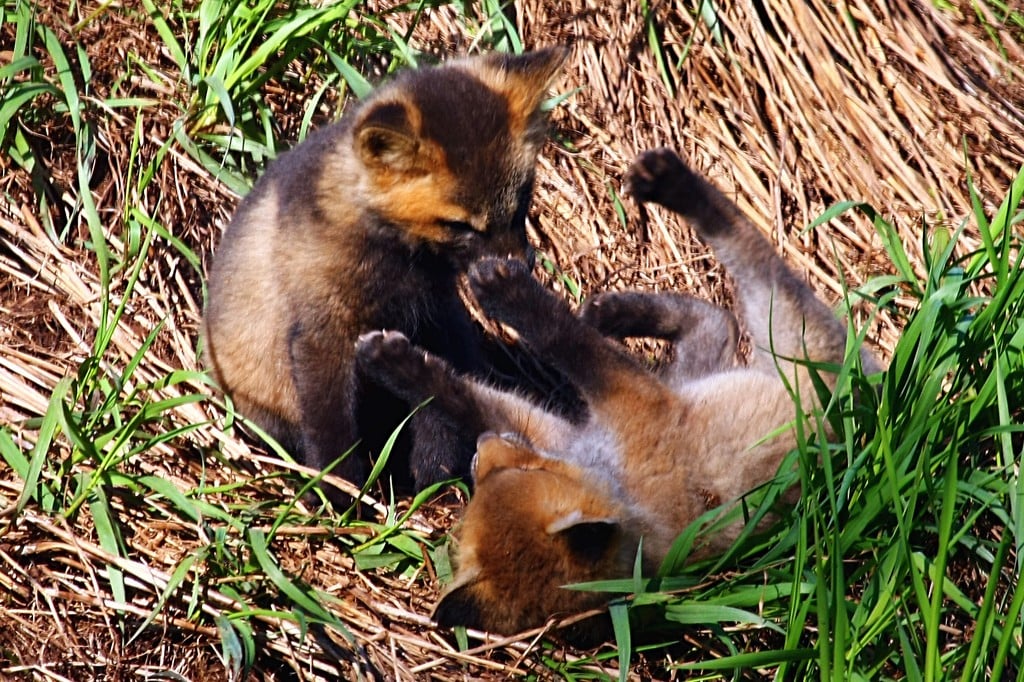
(508,292)
(659,175)
(505,288)
(390,359)
(383,347)
(489,276)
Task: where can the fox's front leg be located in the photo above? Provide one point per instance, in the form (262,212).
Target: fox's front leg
(603,373)
(470,406)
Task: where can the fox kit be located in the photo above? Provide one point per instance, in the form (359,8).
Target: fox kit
(367,225)
(559,503)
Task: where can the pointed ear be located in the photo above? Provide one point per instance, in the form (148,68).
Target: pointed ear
(531,74)
(458,606)
(503,451)
(587,539)
(385,137)
(539,66)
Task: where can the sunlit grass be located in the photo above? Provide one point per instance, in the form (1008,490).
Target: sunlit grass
(903,555)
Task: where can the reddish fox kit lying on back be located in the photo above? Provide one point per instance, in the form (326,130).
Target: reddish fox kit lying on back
(368,225)
(559,503)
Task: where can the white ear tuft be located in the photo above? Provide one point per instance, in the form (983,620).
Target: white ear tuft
(575,518)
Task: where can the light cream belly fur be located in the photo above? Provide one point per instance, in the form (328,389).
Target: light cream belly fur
(721,450)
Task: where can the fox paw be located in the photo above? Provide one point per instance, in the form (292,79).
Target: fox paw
(505,289)
(490,275)
(660,176)
(389,357)
(613,313)
(375,348)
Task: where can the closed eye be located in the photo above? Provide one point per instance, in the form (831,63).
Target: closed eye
(458,226)
(516,439)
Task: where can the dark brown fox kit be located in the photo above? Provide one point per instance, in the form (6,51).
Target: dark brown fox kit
(368,225)
(559,503)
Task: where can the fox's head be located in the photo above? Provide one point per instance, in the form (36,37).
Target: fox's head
(533,526)
(448,152)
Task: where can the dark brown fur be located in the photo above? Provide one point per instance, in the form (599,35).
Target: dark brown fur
(559,503)
(368,225)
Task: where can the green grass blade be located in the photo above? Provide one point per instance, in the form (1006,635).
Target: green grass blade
(359,86)
(17,65)
(298,595)
(619,613)
(167,35)
(177,578)
(657,46)
(709,15)
(238,645)
(223,97)
(31,487)
(1012,628)
(695,613)
(109,533)
(749,661)
(933,618)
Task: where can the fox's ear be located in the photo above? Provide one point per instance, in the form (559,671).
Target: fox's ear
(587,539)
(385,137)
(539,67)
(459,606)
(529,75)
(503,451)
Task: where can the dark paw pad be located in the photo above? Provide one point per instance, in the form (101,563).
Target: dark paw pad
(494,274)
(381,347)
(504,287)
(390,358)
(655,175)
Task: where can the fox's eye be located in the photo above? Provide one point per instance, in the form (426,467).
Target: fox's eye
(458,226)
(516,439)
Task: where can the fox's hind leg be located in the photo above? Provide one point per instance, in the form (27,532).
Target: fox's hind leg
(784,317)
(704,336)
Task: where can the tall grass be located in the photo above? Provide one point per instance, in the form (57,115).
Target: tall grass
(227,52)
(902,559)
